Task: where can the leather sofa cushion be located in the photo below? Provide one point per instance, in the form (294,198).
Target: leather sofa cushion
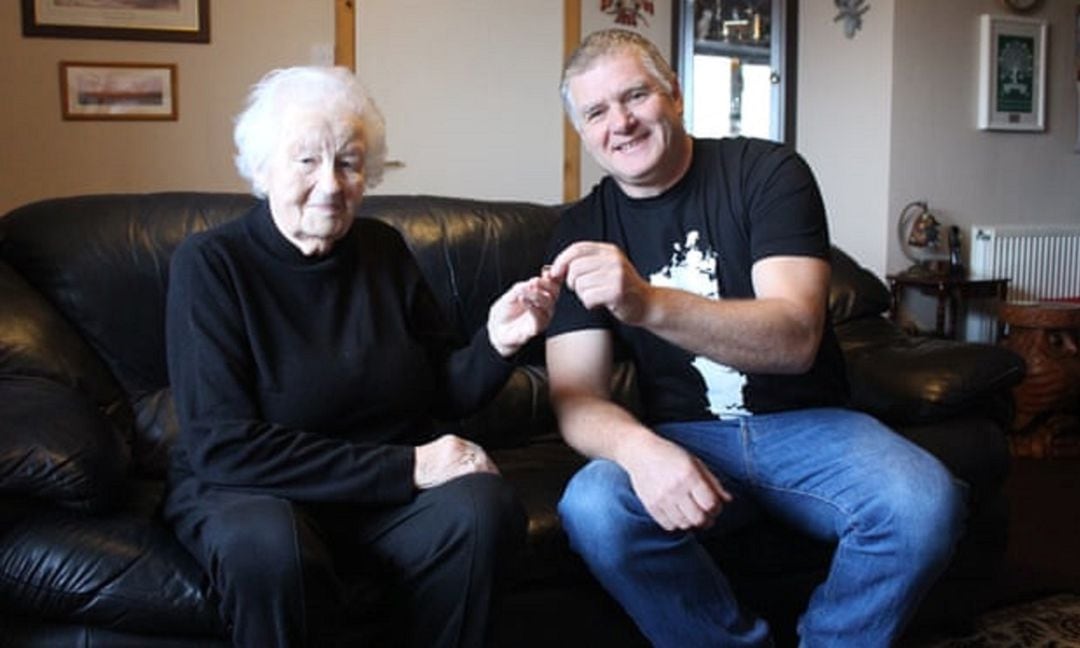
(55,445)
(124,571)
(904,379)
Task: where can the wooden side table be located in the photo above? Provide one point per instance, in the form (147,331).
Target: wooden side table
(1047,419)
(949,291)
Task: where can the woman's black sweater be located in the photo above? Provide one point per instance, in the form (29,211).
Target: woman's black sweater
(312,378)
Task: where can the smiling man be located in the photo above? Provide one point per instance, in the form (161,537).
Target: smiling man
(707,261)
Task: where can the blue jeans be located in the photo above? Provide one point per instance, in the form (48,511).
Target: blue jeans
(894,511)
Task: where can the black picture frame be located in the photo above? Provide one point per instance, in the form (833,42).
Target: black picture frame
(43,18)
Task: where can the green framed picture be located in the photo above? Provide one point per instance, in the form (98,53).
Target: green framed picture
(1012,73)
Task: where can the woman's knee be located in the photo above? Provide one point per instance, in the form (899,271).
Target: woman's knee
(482,506)
(256,541)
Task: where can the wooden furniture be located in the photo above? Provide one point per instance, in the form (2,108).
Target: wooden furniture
(950,292)
(1047,419)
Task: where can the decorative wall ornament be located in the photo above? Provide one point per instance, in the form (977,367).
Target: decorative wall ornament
(628,12)
(851,12)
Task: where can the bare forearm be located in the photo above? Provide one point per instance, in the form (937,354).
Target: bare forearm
(752,335)
(776,331)
(596,427)
(676,488)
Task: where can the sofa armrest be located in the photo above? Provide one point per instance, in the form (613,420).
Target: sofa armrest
(36,340)
(904,379)
(56,446)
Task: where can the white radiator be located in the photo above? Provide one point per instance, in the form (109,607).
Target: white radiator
(1042,262)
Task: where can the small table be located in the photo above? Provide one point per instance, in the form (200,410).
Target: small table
(949,290)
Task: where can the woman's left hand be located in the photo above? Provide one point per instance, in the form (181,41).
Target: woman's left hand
(521,312)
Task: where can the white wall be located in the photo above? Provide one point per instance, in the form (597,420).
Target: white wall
(844,119)
(470,94)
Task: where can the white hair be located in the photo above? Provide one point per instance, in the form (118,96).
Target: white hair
(259,125)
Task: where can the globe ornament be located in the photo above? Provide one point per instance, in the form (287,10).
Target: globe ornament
(920,237)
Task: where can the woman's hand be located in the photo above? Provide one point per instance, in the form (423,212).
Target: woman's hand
(521,312)
(448,457)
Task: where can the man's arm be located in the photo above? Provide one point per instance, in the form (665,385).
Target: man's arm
(676,489)
(778,331)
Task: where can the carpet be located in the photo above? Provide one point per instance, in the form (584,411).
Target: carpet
(1050,622)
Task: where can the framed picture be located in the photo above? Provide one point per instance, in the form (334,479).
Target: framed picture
(132,91)
(153,20)
(1012,73)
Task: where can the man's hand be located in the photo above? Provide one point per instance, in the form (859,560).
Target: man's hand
(602,276)
(677,490)
(446,458)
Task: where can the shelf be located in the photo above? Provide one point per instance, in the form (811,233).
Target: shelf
(754,53)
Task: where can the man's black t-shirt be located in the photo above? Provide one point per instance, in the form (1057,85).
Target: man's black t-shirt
(740,201)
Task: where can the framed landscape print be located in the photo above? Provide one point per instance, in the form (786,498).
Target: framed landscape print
(152,20)
(1012,73)
(118,91)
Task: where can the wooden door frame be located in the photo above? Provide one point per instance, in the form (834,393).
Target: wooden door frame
(571,141)
(345,33)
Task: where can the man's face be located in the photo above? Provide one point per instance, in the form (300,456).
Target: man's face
(630,125)
(314,180)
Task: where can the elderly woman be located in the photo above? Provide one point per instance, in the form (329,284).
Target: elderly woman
(307,359)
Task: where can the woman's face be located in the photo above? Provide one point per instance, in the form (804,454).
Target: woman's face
(314,180)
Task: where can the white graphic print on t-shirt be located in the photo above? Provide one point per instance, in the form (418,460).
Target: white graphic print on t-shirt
(693,268)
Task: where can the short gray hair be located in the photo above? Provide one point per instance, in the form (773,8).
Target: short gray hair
(610,41)
(258,126)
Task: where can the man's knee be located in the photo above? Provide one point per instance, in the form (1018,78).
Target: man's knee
(943,520)
(599,507)
(929,512)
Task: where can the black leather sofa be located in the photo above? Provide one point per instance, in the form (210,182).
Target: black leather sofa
(86,421)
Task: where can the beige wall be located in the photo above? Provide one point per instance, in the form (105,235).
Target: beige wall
(889,117)
(884,118)
(42,156)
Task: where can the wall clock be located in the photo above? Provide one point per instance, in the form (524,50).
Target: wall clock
(1022,6)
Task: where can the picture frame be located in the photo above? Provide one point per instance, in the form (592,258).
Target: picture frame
(118,91)
(1012,73)
(144,20)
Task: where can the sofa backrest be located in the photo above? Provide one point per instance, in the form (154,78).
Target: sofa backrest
(854,292)
(83,283)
